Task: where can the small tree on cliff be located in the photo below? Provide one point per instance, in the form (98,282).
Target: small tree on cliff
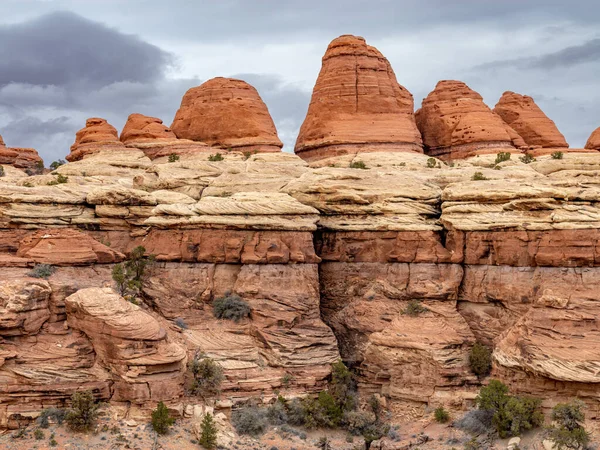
(84,411)
(208,436)
(568,430)
(161,421)
(131,273)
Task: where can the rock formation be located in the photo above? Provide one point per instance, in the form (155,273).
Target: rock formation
(456,124)
(593,143)
(228,114)
(98,135)
(357,105)
(20,158)
(522,114)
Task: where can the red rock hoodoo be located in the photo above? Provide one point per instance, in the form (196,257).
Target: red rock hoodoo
(20,158)
(593,143)
(97,135)
(529,121)
(357,105)
(229,114)
(456,123)
(140,128)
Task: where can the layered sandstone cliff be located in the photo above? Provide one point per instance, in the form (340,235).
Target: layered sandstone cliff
(357,105)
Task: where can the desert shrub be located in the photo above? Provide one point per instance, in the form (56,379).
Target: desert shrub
(83,413)
(119,277)
(358,165)
(60,179)
(414,308)
(478,176)
(53,443)
(51,413)
(568,429)
(215,157)
(476,421)
(441,415)
(207,375)
(249,420)
(295,412)
(431,163)
(56,164)
(323,443)
(173,157)
(343,386)
(287,379)
(208,432)
(480,359)
(180,322)
(1,171)
(501,157)
(358,421)
(277,412)
(161,420)
(231,307)
(511,415)
(472,444)
(38,434)
(41,271)
(527,158)
(130,275)
(557,155)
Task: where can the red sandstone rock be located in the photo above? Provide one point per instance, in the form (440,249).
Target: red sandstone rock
(455,123)
(97,135)
(593,143)
(66,247)
(529,121)
(21,158)
(2,142)
(140,128)
(357,105)
(226,113)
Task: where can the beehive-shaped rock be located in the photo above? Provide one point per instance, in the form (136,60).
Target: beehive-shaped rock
(593,143)
(97,135)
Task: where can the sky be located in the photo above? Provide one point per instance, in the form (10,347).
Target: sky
(62,61)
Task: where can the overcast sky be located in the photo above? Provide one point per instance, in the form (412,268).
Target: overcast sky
(62,61)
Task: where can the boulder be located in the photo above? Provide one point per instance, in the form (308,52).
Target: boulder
(23,306)
(593,143)
(20,158)
(357,105)
(97,135)
(229,114)
(529,121)
(456,124)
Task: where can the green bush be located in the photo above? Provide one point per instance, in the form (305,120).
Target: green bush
(208,432)
(568,429)
(161,420)
(501,157)
(207,376)
(441,415)
(83,413)
(41,271)
(358,165)
(130,275)
(38,434)
(56,164)
(527,158)
(414,308)
(51,413)
(343,386)
(249,420)
(173,157)
(231,307)
(277,412)
(216,157)
(60,179)
(480,360)
(478,176)
(557,155)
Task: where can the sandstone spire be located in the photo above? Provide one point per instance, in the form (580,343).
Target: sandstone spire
(456,123)
(229,114)
(593,143)
(527,119)
(357,105)
(97,135)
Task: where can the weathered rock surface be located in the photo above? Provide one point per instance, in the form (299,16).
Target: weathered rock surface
(140,128)
(20,158)
(522,114)
(456,124)
(593,143)
(229,114)
(98,135)
(357,105)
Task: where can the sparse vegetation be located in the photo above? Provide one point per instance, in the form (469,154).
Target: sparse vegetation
(441,415)
(38,434)
(323,443)
(161,420)
(358,165)
(60,179)
(58,415)
(478,176)
(231,307)
(215,157)
(2,171)
(527,158)
(557,155)
(208,432)
(173,157)
(567,430)
(431,163)
(287,379)
(41,271)
(414,308)
(181,323)
(510,415)
(83,413)
(130,275)
(207,376)
(56,164)
(501,157)
(480,360)
(250,420)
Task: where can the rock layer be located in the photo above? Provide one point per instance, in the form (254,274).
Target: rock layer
(357,105)
(522,114)
(456,124)
(228,114)
(20,158)
(98,135)
(593,143)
